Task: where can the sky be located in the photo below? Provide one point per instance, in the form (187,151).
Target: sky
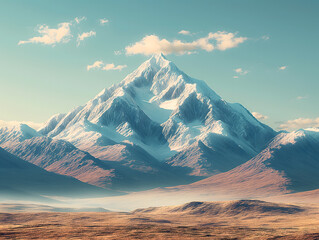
(56,55)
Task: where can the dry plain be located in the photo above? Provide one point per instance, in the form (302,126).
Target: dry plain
(246,219)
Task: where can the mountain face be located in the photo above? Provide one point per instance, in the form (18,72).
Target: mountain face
(157,128)
(160,128)
(288,164)
(14,133)
(19,178)
(130,169)
(166,115)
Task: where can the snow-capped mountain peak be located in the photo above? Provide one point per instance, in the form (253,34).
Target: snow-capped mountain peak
(162,110)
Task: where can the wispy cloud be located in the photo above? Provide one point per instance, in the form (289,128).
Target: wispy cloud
(84,35)
(105,67)
(282,68)
(300,123)
(152,44)
(103,21)
(79,19)
(259,116)
(111,66)
(301,97)
(241,71)
(265,37)
(51,36)
(96,64)
(118,52)
(185,32)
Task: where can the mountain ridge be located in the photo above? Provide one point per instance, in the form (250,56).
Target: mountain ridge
(289,164)
(158,127)
(162,110)
(20,178)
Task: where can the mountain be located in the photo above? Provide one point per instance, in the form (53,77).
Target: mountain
(161,114)
(20,179)
(13,133)
(204,160)
(131,168)
(286,170)
(156,128)
(289,164)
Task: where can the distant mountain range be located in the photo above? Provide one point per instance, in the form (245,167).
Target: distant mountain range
(133,169)
(289,164)
(158,128)
(22,180)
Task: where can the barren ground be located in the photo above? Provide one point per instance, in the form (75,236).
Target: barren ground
(181,222)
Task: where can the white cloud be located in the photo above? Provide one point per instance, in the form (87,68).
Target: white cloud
(300,123)
(282,67)
(79,19)
(118,52)
(241,71)
(301,97)
(103,21)
(235,76)
(105,67)
(33,125)
(259,116)
(152,44)
(191,52)
(185,32)
(111,66)
(51,36)
(84,35)
(96,64)
(265,37)
(226,40)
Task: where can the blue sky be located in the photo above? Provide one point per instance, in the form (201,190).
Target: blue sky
(39,79)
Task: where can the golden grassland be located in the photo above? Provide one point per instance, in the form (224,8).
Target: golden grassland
(179,222)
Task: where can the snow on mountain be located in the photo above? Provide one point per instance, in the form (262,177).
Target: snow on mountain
(17,132)
(158,128)
(51,123)
(63,158)
(205,160)
(129,167)
(289,163)
(19,178)
(165,112)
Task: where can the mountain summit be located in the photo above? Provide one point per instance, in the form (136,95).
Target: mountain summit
(167,115)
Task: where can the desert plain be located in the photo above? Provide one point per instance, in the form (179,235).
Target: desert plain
(240,219)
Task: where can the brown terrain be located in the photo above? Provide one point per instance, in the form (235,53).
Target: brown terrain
(243,219)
